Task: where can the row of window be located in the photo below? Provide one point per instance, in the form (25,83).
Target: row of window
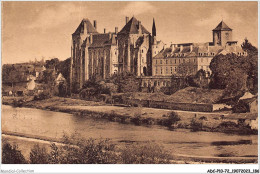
(174,61)
(157,83)
(206,54)
(175,69)
(184,54)
(241,54)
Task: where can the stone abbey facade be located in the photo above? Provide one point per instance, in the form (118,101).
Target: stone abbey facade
(104,54)
(134,49)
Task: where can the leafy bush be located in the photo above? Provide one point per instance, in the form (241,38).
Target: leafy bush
(126,82)
(196,125)
(43,95)
(136,119)
(171,118)
(11,154)
(148,153)
(241,107)
(79,151)
(165,90)
(38,155)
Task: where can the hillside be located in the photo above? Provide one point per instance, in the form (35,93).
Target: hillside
(186,95)
(196,95)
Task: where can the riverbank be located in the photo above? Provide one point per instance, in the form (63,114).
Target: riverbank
(26,143)
(195,121)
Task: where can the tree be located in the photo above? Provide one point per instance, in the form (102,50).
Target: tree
(252,81)
(236,74)
(247,46)
(64,68)
(38,155)
(12,155)
(52,64)
(229,72)
(126,82)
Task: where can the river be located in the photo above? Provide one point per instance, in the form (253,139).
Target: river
(29,124)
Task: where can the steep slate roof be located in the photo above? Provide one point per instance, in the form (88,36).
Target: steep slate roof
(132,27)
(222,26)
(100,40)
(90,28)
(197,48)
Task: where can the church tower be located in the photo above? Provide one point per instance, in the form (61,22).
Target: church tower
(222,34)
(154,32)
(154,41)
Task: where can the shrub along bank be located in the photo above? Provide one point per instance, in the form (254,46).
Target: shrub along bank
(91,151)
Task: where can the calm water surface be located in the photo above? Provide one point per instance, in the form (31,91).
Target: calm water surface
(53,125)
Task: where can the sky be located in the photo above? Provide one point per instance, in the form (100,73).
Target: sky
(36,30)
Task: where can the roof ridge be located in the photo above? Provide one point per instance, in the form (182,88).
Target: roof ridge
(222,26)
(131,27)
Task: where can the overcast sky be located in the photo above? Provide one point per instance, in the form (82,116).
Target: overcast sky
(43,29)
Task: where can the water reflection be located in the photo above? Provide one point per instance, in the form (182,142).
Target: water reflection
(54,125)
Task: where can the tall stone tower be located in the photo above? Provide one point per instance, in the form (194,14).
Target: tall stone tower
(133,47)
(81,39)
(222,34)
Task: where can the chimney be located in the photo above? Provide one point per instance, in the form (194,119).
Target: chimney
(126,19)
(104,30)
(116,30)
(181,48)
(91,38)
(95,24)
(139,27)
(110,35)
(85,28)
(191,48)
(172,47)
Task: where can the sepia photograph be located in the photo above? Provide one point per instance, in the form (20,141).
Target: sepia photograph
(129,82)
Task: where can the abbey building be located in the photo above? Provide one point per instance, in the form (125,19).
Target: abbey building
(134,49)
